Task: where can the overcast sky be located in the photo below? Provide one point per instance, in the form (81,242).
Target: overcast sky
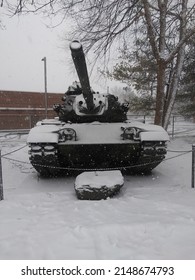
(24,41)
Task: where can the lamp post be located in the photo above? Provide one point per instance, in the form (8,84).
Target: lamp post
(45,81)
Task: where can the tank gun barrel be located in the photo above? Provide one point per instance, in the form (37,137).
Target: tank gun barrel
(81,68)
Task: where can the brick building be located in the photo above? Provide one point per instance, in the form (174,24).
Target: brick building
(21,110)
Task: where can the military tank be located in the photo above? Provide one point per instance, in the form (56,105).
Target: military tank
(92,132)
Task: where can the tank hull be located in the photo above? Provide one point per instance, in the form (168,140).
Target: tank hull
(96,146)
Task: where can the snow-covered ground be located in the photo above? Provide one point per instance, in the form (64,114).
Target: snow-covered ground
(153,216)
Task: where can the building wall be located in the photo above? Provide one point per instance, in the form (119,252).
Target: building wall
(21,110)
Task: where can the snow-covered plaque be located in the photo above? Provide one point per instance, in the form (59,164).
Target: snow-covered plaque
(98,185)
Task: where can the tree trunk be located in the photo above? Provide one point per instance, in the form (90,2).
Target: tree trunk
(174,87)
(178,67)
(160,93)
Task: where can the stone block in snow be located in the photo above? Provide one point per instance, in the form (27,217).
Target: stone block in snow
(98,185)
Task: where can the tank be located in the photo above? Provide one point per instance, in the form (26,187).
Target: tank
(92,132)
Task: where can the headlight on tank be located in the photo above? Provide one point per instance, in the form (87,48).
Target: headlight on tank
(161,149)
(130,133)
(67,134)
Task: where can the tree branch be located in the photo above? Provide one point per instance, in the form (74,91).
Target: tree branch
(151,30)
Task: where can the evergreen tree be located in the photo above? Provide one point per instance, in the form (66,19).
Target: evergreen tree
(138,69)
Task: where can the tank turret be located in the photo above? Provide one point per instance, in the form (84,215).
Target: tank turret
(81,103)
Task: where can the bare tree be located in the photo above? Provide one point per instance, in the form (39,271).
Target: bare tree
(175,22)
(100,23)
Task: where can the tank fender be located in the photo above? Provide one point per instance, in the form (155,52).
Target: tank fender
(44,134)
(154,136)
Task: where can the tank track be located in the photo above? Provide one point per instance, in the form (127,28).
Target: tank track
(45,159)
